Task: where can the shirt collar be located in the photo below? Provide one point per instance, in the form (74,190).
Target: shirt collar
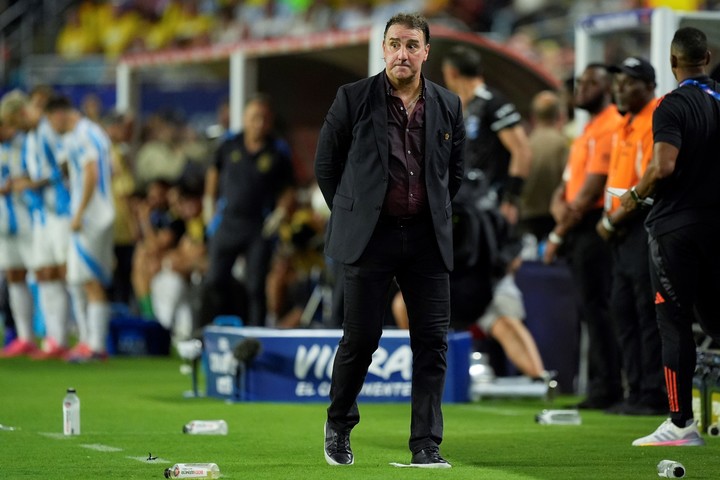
(389,88)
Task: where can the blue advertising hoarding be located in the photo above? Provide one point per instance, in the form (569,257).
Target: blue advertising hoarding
(296,366)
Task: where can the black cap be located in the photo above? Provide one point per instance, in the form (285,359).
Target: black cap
(635,67)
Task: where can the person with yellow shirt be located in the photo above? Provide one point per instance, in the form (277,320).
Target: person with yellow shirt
(193,27)
(119,29)
(160,34)
(631,300)
(75,40)
(577,205)
(125,230)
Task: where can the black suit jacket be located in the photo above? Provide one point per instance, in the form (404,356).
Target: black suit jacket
(351,164)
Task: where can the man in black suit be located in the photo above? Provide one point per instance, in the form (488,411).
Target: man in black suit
(389,161)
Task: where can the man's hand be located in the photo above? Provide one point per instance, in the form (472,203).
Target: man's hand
(76,223)
(628,201)
(550,252)
(604,233)
(7,188)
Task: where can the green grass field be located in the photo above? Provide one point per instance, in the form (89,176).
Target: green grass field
(132,407)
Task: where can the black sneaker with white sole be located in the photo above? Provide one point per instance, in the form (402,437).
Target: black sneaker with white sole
(429,457)
(337,447)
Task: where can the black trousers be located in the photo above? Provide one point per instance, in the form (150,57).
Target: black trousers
(632,309)
(686,279)
(589,259)
(411,255)
(234,237)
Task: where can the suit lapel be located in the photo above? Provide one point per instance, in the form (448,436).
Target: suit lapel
(378,107)
(431,116)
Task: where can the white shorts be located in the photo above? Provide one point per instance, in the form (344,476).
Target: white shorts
(90,255)
(16,252)
(169,294)
(507,302)
(50,241)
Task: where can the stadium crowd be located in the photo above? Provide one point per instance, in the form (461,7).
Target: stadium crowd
(540,30)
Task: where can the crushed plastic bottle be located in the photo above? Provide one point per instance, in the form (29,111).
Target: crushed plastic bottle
(670,469)
(558,417)
(193,470)
(206,427)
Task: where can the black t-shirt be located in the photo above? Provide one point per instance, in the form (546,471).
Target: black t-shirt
(485,116)
(251,183)
(689,119)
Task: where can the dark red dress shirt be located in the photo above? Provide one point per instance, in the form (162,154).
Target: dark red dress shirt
(406,195)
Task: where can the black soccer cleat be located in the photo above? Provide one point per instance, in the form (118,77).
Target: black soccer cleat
(337,447)
(429,457)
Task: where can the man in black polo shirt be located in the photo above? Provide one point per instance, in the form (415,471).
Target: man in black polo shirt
(496,141)
(250,173)
(684,226)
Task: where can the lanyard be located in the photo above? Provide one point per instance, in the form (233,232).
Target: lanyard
(702,87)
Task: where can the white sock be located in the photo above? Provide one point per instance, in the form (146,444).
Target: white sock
(98,318)
(183,327)
(53,302)
(21,305)
(78,298)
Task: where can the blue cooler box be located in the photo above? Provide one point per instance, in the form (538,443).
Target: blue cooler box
(296,366)
(135,336)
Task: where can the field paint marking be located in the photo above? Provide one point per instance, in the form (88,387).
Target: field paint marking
(100,447)
(55,435)
(145,460)
(500,411)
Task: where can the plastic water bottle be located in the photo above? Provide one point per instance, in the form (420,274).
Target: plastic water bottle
(206,427)
(193,470)
(558,417)
(670,469)
(71,413)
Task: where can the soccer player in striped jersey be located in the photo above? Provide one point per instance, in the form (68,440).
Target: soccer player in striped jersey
(15,243)
(48,197)
(90,253)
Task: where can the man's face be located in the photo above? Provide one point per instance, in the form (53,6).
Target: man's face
(404,51)
(6,132)
(257,120)
(631,92)
(59,120)
(20,119)
(591,88)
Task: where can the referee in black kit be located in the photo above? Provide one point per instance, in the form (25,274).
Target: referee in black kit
(683,226)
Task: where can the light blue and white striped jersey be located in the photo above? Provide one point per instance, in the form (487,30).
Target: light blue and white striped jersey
(87,142)
(14,210)
(43,157)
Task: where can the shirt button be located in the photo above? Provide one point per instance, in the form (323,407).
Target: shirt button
(412,173)
(407,129)
(412,195)
(408,152)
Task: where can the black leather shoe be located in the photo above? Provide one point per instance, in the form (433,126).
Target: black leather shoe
(337,447)
(429,457)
